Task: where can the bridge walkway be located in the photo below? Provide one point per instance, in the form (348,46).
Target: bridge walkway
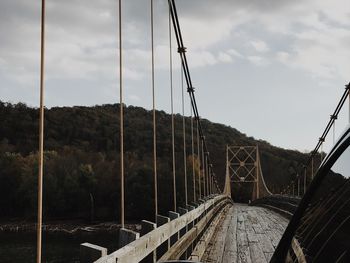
(247,234)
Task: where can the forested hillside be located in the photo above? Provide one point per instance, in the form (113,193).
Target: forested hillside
(81,177)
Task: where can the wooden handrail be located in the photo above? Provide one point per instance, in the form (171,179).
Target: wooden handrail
(185,242)
(140,248)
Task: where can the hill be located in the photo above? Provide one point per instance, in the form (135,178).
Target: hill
(81,177)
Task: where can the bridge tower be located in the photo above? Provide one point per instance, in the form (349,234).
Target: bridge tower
(243,167)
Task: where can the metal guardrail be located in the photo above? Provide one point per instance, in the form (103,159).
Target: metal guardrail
(147,244)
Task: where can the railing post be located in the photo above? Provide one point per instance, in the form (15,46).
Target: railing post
(90,253)
(127,236)
(175,237)
(161,220)
(146,227)
(189,227)
(190,208)
(182,211)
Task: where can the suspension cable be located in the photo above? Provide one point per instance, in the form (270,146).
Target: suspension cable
(334,116)
(208,176)
(172,112)
(211,178)
(206,172)
(182,52)
(41,135)
(203,168)
(330,124)
(304,179)
(333,133)
(155,178)
(193,170)
(199,164)
(184,133)
(122,179)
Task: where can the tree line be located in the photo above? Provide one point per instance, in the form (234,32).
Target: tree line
(81,167)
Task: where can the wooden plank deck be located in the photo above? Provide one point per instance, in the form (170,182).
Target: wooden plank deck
(248,234)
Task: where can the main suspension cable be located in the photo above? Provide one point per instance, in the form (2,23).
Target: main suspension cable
(182,52)
(41,135)
(330,124)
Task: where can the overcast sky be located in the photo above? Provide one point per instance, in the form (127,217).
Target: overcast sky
(273,69)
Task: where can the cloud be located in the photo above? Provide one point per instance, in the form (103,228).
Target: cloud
(204,33)
(134,97)
(224,57)
(258,61)
(260,46)
(201,59)
(234,53)
(282,56)
(305,40)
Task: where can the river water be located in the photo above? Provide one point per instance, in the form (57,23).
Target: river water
(57,247)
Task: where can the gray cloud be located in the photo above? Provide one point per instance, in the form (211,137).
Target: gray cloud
(282,52)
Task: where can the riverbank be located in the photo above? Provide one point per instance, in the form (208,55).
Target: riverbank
(70,228)
(61,240)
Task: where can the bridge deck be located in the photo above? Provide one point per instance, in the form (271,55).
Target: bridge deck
(247,234)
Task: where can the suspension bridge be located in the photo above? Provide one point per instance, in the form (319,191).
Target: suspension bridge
(210,227)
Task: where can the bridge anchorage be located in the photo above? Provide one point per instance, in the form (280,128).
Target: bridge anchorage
(243,167)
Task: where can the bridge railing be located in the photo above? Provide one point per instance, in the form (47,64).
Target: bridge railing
(285,205)
(190,227)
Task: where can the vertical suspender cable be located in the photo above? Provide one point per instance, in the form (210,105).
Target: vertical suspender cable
(41,136)
(172,112)
(210,178)
(203,167)
(208,174)
(199,163)
(334,132)
(304,179)
(121,106)
(184,132)
(193,170)
(348,87)
(154,124)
